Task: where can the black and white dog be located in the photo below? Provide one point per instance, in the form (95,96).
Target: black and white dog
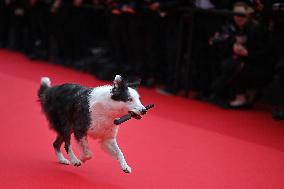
(72,108)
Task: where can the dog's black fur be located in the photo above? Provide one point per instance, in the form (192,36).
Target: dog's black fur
(67,109)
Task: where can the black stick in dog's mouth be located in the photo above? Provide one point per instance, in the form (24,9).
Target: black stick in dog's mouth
(135,115)
(131,114)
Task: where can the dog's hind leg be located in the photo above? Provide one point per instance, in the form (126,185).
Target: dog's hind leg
(74,160)
(56,145)
(110,145)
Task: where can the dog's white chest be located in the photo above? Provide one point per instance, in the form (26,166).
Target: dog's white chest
(102,125)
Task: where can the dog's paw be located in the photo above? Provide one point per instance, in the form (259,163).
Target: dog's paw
(126,169)
(76,162)
(64,161)
(85,158)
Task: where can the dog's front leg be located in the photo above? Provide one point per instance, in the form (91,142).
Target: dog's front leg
(110,145)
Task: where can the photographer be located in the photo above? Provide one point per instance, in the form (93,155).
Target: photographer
(278,90)
(4,17)
(18,21)
(69,32)
(276,9)
(39,29)
(157,39)
(244,68)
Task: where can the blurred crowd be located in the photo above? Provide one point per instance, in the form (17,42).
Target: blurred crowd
(230,52)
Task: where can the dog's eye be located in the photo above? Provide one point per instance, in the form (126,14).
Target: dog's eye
(130,99)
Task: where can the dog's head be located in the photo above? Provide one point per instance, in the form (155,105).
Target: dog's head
(127,94)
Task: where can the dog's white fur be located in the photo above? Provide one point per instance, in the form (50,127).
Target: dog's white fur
(103,112)
(46,81)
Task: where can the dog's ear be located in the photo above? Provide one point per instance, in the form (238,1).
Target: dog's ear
(134,84)
(119,90)
(118,81)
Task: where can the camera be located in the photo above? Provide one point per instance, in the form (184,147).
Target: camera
(225,36)
(278,7)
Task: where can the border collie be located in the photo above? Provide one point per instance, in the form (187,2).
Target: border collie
(72,108)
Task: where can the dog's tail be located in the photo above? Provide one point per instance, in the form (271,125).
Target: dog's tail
(45,84)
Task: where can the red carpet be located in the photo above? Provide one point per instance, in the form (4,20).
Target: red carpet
(181,143)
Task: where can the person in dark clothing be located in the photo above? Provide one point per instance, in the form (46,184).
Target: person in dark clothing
(163,20)
(18,32)
(275,8)
(134,38)
(145,39)
(245,67)
(277,87)
(39,29)
(69,31)
(171,38)
(4,22)
(79,29)
(119,15)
